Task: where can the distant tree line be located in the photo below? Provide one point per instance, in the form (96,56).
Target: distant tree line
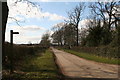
(103,27)
(45,40)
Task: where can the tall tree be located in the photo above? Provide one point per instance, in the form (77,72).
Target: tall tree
(105,12)
(69,35)
(74,17)
(58,33)
(58,37)
(83,35)
(55,38)
(95,34)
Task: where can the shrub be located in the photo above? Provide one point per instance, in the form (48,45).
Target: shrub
(104,51)
(19,53)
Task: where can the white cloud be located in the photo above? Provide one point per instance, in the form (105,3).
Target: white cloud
(53,16)
(25,9)
(58,26)
(56,17)
(106,15)
(28,11)
(26,28)
(26,34)
(21,12)
(32,28)
(84,23)
(27,39)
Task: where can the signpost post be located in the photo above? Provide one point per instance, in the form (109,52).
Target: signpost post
(11,56)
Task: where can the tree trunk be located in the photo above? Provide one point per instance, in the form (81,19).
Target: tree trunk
(4,21)
(77,36)
(61,43)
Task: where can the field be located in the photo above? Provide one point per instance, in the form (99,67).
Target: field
(40,65)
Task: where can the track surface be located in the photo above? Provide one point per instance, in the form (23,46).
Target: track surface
(76,67)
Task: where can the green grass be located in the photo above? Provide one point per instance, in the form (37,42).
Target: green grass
(38,67)
(94,57)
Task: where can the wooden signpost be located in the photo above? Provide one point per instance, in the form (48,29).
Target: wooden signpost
(11,56)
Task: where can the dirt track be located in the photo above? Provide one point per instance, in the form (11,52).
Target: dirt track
(74,66)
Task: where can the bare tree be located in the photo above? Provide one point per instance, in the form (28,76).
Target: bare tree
(107,11)
(116,14)
(74,17)
(58,33)
(69,35)
(65,35)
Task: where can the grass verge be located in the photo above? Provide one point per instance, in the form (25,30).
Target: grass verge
(36,66)
(94,57)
